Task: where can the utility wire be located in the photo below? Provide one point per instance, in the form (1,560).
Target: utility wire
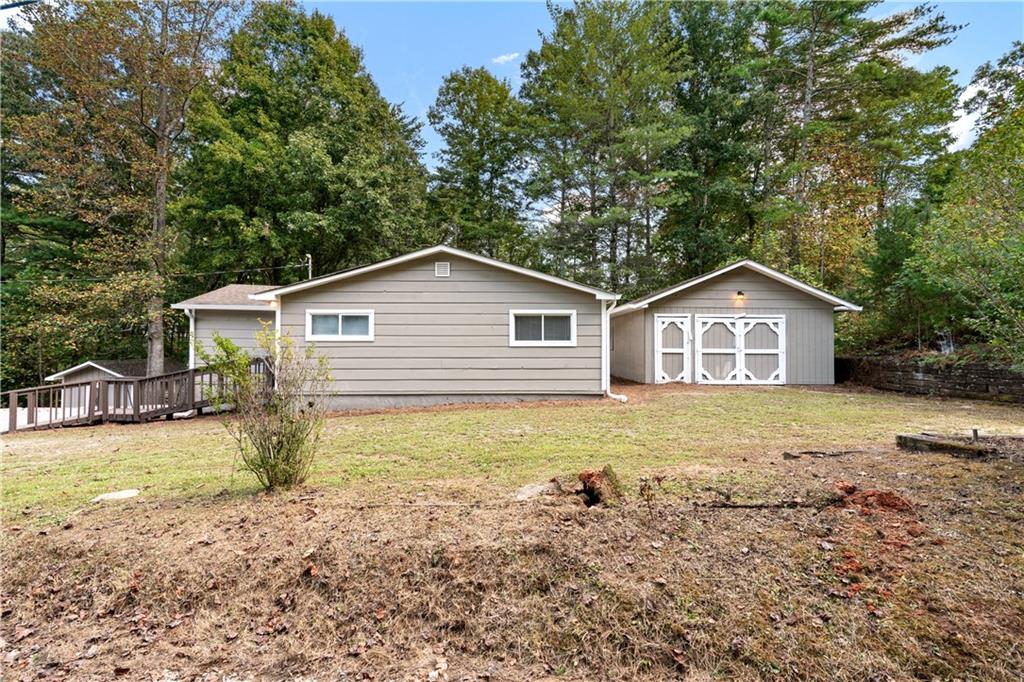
(58,280)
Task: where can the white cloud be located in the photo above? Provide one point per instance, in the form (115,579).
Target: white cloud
(505,58)
(962,129)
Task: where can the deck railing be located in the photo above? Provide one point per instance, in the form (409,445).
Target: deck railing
(118,400)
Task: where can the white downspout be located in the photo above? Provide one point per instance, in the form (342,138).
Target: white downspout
(606,360)
(191,337)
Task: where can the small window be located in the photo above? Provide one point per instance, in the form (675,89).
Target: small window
(339,325)
(442,269)
(542,327)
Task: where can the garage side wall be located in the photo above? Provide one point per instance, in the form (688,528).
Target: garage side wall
(238,325)
(810,334)
(627,352)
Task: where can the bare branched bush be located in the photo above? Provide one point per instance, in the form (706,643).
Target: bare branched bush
(278,414)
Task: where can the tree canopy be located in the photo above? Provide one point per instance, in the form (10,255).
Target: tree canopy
(155,150)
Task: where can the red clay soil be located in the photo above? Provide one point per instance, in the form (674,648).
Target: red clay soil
(878,499)
(323,585)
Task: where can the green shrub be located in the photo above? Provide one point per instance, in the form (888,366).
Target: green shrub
(276,421)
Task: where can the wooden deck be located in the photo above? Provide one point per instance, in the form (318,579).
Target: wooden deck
(116,400)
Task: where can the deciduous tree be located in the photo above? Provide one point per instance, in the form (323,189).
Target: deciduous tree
(119,78)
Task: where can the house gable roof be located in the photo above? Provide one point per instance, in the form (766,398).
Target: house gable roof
(273,294)
(230,297)
(838,304)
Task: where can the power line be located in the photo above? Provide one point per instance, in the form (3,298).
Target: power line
(59,280)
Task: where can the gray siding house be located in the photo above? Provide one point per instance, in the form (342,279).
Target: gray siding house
(742,324)
(434,326)
(229,311)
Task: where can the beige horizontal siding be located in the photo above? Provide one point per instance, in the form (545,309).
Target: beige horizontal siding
(627,354)
(426,321)
(519,298)
(481,363)
(238,325)
(485,386)
(435,335)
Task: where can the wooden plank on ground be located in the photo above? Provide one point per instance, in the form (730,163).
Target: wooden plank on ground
(921,443)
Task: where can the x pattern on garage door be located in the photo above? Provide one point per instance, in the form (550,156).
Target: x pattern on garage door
(742,349)
(671,348)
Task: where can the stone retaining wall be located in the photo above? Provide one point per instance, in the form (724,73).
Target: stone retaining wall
(972,380)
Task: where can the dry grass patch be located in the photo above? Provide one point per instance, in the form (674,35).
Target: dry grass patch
(403,572)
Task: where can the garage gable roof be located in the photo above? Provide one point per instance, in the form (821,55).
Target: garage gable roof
(87,363)
(119,369)
(273,294)
(839,304)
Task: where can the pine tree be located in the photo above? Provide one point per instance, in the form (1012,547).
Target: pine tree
(477,188)
(599,92)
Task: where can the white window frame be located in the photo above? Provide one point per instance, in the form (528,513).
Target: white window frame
(310,336)
(442,266)
(512,342)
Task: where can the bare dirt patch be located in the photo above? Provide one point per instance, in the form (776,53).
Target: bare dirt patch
(915,573)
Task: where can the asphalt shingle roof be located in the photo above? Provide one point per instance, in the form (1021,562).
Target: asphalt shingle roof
(232,294)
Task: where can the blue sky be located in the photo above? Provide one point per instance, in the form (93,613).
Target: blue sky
(409,46)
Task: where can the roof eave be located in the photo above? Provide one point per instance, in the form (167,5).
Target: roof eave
(82,365)
(274,294)
(626,309)
(220,306)
(756,267)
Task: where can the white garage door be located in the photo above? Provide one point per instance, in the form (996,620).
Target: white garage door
(741,349)
(671,348)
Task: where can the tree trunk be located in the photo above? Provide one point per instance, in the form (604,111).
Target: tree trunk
(158,236)
(613,244)
(806,111)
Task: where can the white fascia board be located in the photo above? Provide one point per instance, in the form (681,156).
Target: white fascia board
(87,363)
(626,309)
(838,303)
(433,250)
(223,306)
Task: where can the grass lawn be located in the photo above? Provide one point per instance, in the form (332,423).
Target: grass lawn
(406,557)
(51,473)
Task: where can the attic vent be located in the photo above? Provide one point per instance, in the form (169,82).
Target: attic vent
(442,269)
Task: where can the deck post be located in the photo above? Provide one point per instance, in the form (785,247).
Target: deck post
(12,404)
(191,388)
(136,398)
(31,408)
(104,400)
(89,409)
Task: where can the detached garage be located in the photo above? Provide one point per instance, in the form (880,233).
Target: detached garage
(743,324)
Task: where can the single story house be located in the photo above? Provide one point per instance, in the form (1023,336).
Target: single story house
(438,325)
(742,324)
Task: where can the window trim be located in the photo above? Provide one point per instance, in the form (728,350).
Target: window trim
(444,265)
(339,312)
(513,343)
